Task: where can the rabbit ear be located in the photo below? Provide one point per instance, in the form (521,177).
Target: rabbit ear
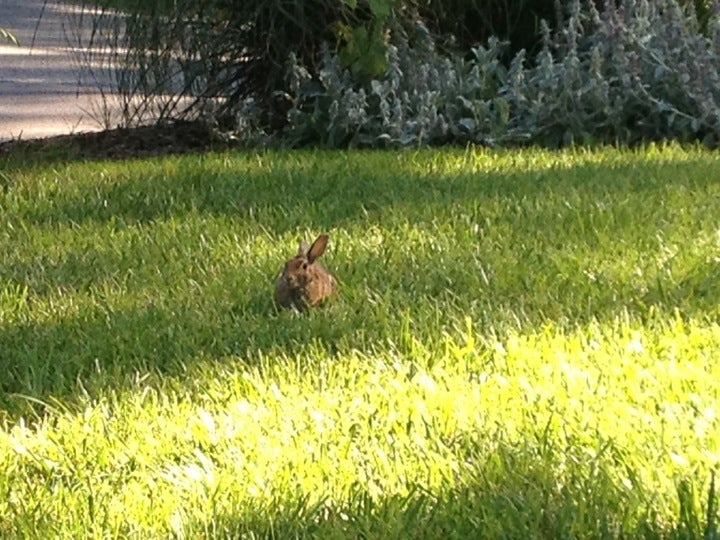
(318,247)
(303,248)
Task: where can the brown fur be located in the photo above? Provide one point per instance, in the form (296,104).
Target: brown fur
(304,282)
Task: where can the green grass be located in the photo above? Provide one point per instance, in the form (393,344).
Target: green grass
(525,345)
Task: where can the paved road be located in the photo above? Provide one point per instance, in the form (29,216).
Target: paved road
(43,91)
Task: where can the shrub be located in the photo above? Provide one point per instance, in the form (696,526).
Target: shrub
(639,70)
(181,58)
(359,73)
(424,98)
(462,24)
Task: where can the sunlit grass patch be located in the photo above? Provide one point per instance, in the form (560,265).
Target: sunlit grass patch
(524,344)
(599,422)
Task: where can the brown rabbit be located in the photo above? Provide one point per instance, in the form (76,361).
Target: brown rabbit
(304,282)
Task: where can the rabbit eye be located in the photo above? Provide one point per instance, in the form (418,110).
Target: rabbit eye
(304,266)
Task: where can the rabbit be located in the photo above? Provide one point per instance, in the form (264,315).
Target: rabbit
(304,282)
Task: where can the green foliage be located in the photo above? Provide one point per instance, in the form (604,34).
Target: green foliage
(525,345)
(585,72)
(637,72)
(424,98)
(186,57)
(364,51)
(640,71)
(462,24)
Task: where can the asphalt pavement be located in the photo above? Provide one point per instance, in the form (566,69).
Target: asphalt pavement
(45,88)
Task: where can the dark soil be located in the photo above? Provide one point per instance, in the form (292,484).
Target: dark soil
(166,139)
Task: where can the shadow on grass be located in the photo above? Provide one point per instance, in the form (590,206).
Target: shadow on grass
(541,214)
(513,493)
(105,346)
(285,193)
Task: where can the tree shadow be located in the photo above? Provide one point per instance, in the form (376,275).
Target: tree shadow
(110,342)
(286,193)
(543,216)
(511,493)
(105,345)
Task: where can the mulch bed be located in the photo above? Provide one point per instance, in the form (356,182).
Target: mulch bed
(166,139)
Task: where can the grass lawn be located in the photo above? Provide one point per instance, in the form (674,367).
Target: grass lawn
(525,345)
